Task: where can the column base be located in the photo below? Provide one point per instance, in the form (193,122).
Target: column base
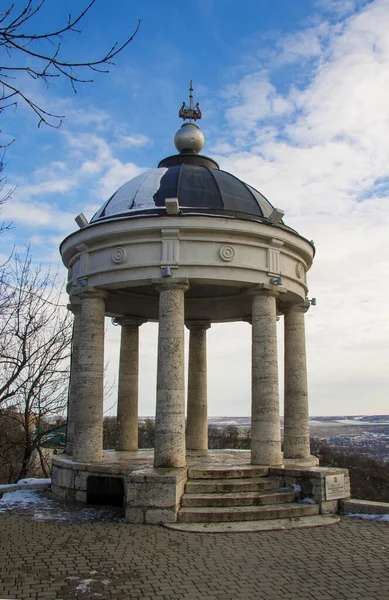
(310,461)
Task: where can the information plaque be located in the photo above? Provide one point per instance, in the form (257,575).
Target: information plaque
(335,487)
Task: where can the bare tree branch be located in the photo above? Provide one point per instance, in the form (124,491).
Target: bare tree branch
(48,62)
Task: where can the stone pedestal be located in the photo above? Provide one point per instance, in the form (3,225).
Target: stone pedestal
(197,412)
(265,414)
(170,410)
(296,417)
(88,412)
(73,385)
(127,411)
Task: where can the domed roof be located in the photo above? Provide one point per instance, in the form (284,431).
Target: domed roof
(197,188)
(195,181)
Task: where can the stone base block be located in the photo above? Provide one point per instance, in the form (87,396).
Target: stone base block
(135,515)
(63,493)
(329,507)
(157,492)
(364,507)
(293,463)
(312,481)
(155,516)
(150,495)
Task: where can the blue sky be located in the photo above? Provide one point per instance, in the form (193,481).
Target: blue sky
(295,100)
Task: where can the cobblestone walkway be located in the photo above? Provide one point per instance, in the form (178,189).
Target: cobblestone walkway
(113,559)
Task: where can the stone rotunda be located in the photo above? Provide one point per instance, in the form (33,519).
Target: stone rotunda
(187,245)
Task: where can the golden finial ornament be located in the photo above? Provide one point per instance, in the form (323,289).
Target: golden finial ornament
(188,112)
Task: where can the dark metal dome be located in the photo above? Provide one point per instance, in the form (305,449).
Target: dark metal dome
(199,186)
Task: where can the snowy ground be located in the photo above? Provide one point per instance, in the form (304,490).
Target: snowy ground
(41,506)
(382,518)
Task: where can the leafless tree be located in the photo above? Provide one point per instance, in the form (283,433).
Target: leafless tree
(5,194)
(39,54)
(35,337)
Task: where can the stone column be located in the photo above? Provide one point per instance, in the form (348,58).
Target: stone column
(296,417)
(197,414)
(73,385)
(170,411)
(265,413)
(88,421)
(127,411)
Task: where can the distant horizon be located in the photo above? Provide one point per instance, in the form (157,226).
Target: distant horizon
(281,417)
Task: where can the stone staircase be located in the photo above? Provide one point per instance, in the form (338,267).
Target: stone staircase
(238,493)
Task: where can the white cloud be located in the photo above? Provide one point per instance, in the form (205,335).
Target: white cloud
(91,169)
(116,175)
(48,187)
(37,214)
(330,172)
(254,99)
(136,140)
(339,8)
(97,158)
(349,96)
(86,117)
(303,45)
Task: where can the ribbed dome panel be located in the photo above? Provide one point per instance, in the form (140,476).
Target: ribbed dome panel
(198,188)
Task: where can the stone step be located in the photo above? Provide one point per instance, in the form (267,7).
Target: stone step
(251,484)
(239,499)
(262,525)
(227,472)
(245,513)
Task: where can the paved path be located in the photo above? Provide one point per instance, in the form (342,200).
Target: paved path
(111,559)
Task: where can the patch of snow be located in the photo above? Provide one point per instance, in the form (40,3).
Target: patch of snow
(84,584)
(23,483)
(382,518)
(45,508)
(22,497)
(47,516)
(296,488)
(307,501)
(33,480)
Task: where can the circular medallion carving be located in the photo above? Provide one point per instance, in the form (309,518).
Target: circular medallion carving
(227,253)
(119,255)
(300,271)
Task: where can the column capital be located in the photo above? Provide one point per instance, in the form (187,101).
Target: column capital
(73,307)
(131,322)
(266,289)
(198,325)
(171,283)
(92,292)
(301,307)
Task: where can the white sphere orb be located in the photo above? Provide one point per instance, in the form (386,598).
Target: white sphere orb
(189,138)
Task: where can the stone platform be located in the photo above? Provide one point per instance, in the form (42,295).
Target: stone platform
(153,495)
